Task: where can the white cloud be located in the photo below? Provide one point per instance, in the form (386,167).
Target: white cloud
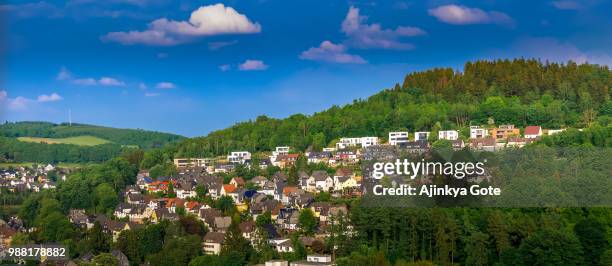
(85,81)
(49,98)
(151,94)
(250,65)
(142,86)
(462,15)
(330,52)
(165,85)
(225,67)
(64,74)
(19,103)
(205,21)
(363,35)
(106,81)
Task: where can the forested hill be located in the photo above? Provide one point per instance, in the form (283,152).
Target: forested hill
(43,142)
(521,92)
(126,137)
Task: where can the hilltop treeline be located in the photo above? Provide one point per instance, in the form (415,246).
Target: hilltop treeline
(13,150)
(130,137)
(520,92)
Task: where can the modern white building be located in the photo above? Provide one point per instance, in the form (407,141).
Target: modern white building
(352,142)
(283,150)
(239,157)
(421,135)
(448,134)
(398,137)
(477,132)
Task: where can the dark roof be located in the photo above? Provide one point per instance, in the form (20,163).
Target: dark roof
(214,237)
(320,175)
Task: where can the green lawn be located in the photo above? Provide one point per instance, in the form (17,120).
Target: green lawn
(80,140)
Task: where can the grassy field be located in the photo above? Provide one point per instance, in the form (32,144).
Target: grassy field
(80,140)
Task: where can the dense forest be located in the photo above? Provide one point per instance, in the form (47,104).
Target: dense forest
(13,150)
(520,92)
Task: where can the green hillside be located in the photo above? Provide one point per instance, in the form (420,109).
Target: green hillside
(520,92)
(128,137)
(43,142)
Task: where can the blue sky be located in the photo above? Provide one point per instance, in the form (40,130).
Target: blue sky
(190,67)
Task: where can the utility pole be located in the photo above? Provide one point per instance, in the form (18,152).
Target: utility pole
(69,116)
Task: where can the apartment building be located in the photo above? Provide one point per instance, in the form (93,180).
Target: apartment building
(398,137)
(448,134)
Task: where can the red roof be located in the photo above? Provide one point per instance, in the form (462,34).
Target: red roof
(532,130)
(239,180)
(287,190)
(229,188)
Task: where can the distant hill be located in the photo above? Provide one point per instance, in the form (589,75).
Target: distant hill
(54,133)
(44,142)
(520,92)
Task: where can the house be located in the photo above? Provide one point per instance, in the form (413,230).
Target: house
(227,189)
(458,144)
(287,191)
(284,246)
(533,132)
(208,216)
(314,259)
(505,131)
(319,157)
(248,229)
(288,219)
(342,183)
(320,181)
(286,160)
(185,189)
(237,182)
(518,142)
(421,135)
(163,214)
(222,223)
(78,217)
(420,146)
(134,212)
(398,137)
(448,134)
(484,144)
(193,162)
(283,150)
(239,157)
(212,243)
(362,142)
(259,181)
(477,132)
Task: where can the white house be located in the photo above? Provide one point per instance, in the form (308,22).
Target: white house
(421,135)
(239,157)
(212,243)
(448,134)
(398,137)
(477,132)
(320,181)
(352,142)
(532,132)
